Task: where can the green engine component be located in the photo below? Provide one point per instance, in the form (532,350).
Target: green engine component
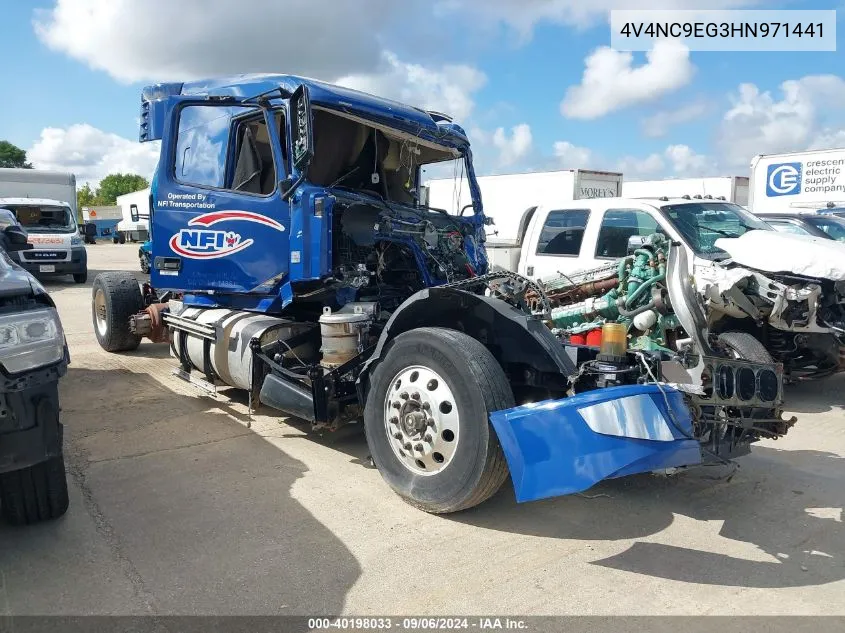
(586,311)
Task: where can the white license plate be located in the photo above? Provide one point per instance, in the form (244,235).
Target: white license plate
(47,268)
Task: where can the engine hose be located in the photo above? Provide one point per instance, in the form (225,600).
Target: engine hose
(633,313)
(640,291)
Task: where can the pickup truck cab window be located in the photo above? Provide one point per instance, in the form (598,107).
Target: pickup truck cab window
(702,223)
(834,227)
(563,232)
(618,226)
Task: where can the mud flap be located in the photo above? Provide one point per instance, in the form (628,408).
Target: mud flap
(559,447)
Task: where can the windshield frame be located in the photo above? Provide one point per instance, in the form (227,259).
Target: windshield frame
(746,219)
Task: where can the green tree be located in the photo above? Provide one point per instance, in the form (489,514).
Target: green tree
(115,185)
(12,156)
(85,196)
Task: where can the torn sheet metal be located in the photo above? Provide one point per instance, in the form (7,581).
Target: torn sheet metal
(774,252)
(559,447)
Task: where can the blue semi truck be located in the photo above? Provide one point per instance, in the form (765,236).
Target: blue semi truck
(292,257)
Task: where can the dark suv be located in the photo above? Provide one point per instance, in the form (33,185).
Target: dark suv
(33,357)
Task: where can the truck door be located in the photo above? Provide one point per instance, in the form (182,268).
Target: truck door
(554,242)
(219,222)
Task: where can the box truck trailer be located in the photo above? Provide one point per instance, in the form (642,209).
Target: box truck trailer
(796,181)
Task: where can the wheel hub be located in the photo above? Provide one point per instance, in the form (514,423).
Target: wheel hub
(421,420)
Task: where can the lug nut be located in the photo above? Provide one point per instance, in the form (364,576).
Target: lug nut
(430,422)
(404,395)
(419,448)
(428,438)
(415,396)
(426,406)
(407,446)
(397,405)
(394,420)
(397,436)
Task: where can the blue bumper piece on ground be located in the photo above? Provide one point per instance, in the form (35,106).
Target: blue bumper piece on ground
(559,447)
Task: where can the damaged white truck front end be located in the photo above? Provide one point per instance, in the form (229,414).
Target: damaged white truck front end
(787,290)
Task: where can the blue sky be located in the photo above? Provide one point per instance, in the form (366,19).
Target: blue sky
(71,91)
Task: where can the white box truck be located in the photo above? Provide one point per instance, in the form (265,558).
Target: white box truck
(797,181)
(510,200)
(135,209)
(44,203)
(730,188)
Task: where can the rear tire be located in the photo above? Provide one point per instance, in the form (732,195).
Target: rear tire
(743,346)
(475,467)
(34,494)
(121,238)
(115,297)
(80,278)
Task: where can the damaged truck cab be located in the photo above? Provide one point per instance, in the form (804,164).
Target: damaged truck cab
(292,257)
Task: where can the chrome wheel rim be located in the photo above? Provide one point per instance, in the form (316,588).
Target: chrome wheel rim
(421,420)
(100,311)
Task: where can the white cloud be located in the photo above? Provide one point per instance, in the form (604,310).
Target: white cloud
(571,156)
(660,122)
(515,147)
(685,161)
(523,15)
(342,42)
(91,153)
(651,165)
(163,40)
(612,82)
(448,89)
(759,123)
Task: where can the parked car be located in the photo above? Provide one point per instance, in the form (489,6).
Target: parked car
(33,357)
(813,224)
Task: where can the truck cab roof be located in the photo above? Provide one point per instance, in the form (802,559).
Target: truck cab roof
(321,93)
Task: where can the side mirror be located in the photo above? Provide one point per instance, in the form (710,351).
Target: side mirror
(133,212)
(15,239)
(635,242)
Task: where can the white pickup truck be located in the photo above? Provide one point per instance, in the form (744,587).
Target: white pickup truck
(788,291)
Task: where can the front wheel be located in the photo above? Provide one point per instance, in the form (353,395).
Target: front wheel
(116,297)
(743,346)
(34,494)
(427,420)
(80,278)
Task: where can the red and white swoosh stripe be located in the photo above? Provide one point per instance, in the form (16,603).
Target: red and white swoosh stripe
(209,219)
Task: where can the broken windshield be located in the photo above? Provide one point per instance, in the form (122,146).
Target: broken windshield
(44,218)
(702,223)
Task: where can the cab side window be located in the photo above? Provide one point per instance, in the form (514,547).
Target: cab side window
(226,148)
(618,226)
(563,232)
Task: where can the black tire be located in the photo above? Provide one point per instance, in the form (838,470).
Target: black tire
(478,468)
(80,278)
(121,238)
(37,493)
(114,239)
(745,347)
(121,298)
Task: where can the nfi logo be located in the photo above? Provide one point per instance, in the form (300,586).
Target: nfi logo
(783,179)
(199,241)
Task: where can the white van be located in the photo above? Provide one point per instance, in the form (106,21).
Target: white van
(58,248)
